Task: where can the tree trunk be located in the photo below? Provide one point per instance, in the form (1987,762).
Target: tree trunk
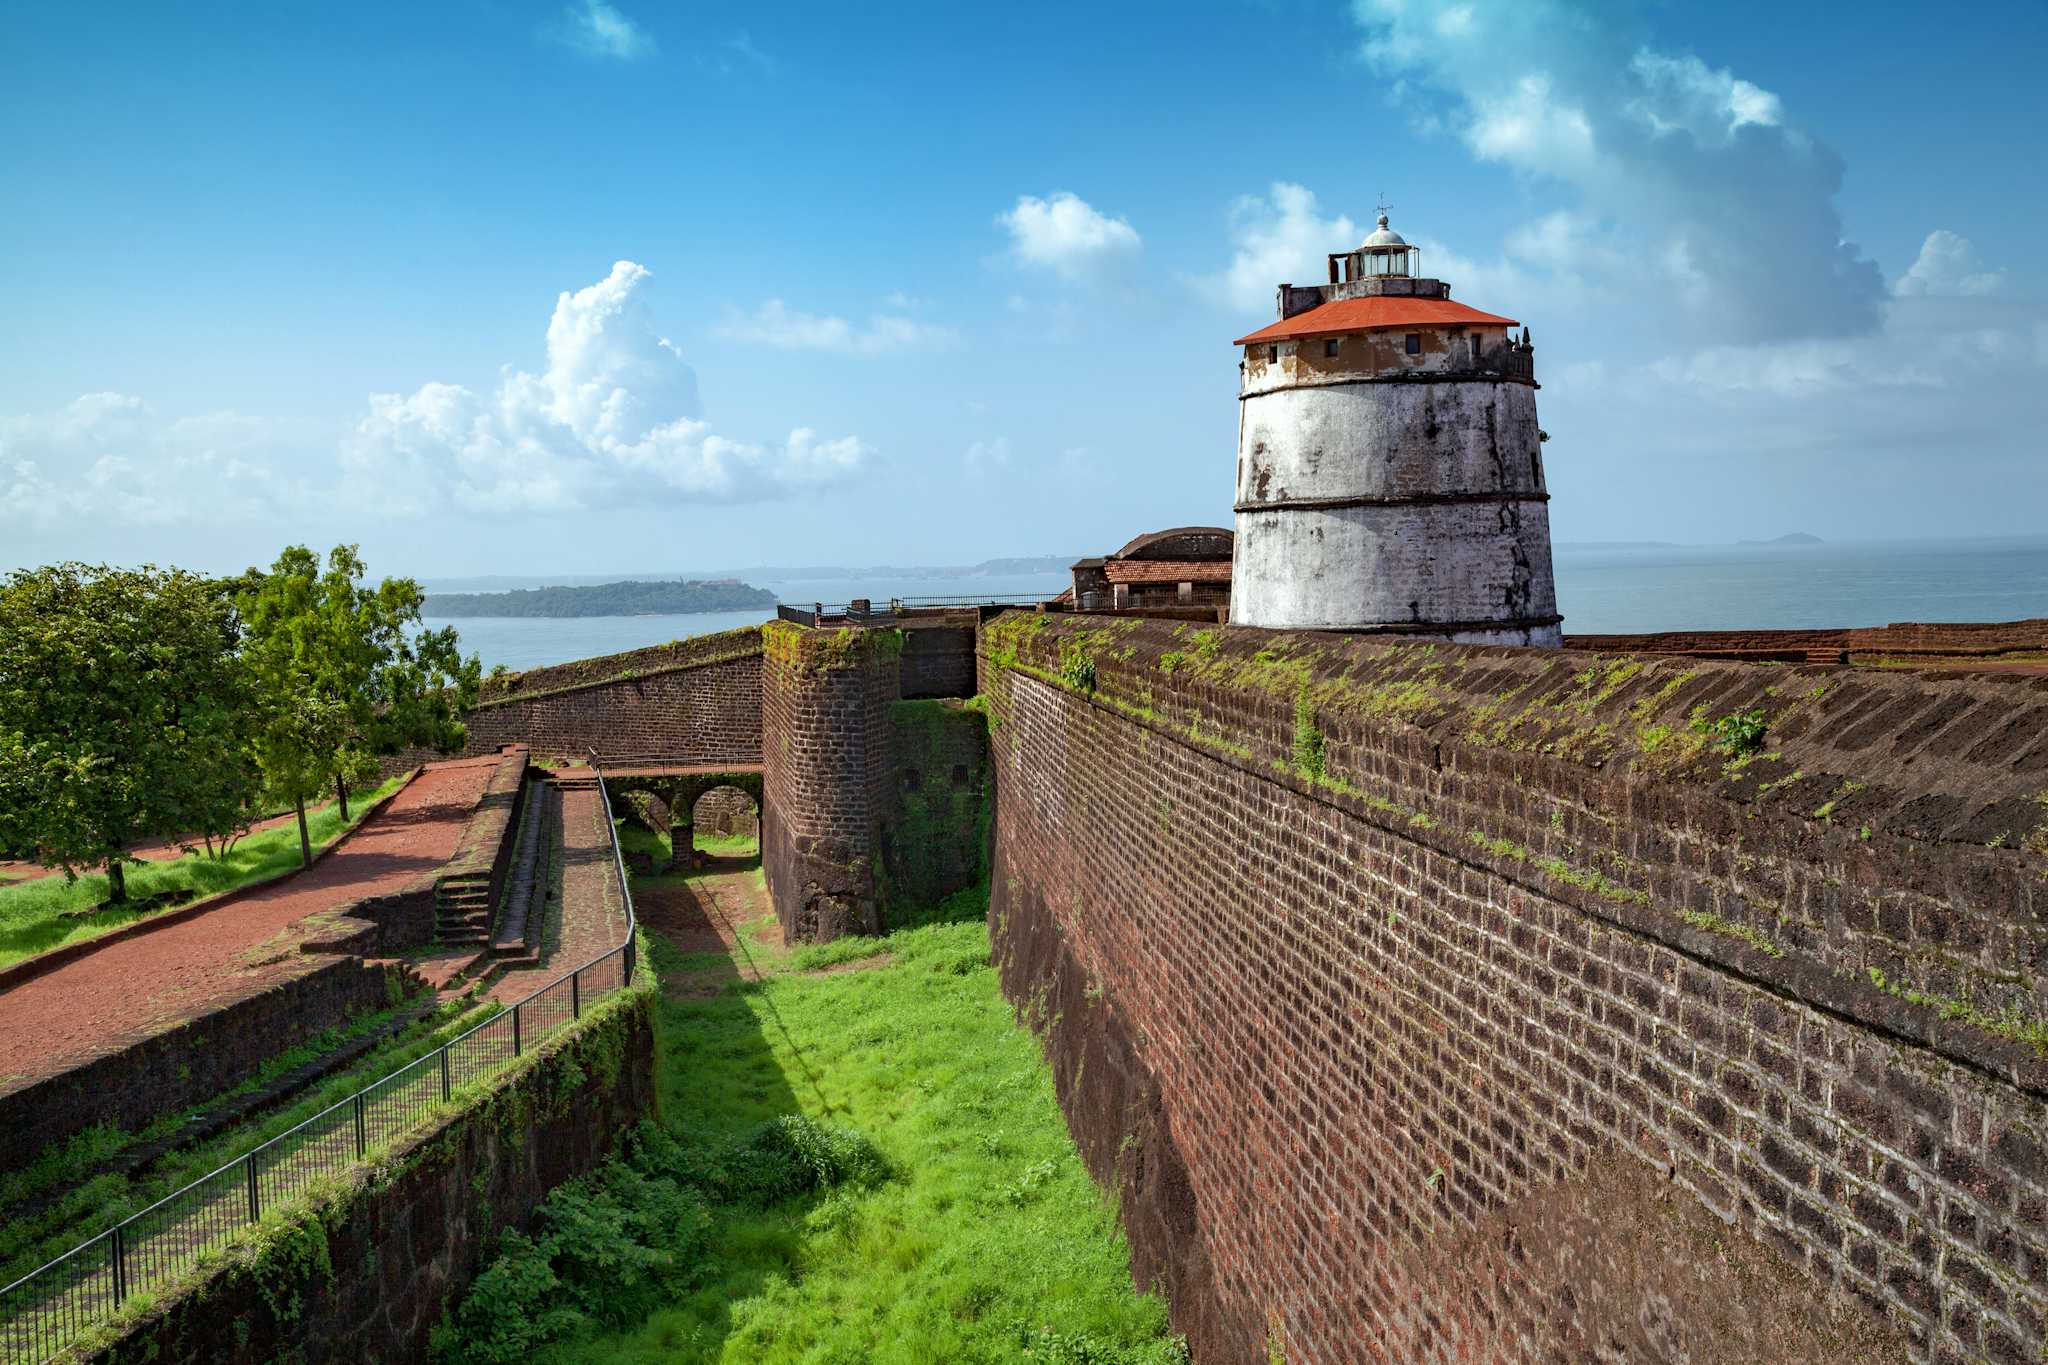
(305,840)
(341,796)
(117,881)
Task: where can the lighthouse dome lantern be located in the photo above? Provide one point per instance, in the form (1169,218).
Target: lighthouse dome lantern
(1386,252)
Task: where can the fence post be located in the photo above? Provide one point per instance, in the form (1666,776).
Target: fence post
(576,994)
(447,1089)
(362,1136)
(255,1203)
(120,1265)
(515,1029)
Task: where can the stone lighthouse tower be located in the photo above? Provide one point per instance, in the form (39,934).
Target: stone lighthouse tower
(1389,469)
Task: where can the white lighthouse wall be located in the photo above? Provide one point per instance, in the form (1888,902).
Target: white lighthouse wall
(1389,440)
(1348,568)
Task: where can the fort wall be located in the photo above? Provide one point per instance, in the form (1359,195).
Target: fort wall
(1427,1003)
(825,699)
(871,804)
(193,1060)
(368,1268)
(691,701)
(1901,642)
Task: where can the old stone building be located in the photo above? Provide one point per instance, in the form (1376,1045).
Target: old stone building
(1188,566)
(1389,471)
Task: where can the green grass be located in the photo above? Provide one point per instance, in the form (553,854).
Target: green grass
(986,1242)
(727,845)
(50,912)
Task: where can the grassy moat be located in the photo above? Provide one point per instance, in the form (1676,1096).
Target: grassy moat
(927,1206)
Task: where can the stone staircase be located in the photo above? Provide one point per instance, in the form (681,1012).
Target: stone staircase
(462,908)
(480,941)
(515,937)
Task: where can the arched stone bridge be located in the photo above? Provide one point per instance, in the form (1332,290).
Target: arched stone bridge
(677,787)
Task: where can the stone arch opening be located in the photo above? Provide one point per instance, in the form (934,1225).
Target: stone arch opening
(727,812)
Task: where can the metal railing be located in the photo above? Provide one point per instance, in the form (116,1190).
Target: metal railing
(864,610)
(47,1309)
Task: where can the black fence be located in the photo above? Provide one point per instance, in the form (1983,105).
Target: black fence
(863,611)
(46,1310)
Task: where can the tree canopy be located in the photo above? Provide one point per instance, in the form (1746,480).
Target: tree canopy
(344,673)
(123,712)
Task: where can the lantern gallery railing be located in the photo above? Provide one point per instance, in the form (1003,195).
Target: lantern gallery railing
(46,1310)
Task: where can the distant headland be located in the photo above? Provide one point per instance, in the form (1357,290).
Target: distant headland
(628,598)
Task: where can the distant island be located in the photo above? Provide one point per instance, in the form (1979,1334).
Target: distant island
(774,573)
(1796,538)
(605,599)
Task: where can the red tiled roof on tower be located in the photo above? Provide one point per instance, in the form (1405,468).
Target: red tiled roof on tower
(1373,313)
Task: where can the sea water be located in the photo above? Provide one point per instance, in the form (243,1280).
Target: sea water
(1600,590)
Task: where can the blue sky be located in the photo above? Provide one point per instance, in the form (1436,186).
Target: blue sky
(494,287)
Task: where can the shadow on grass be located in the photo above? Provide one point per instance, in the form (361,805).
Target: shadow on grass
(717,1072)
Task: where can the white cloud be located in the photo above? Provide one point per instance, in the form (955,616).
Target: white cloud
(1278,237)
(598,29)
(1067,235)
(611,419)
(110,457)
(1947,265)
(776,324)
(983,455)
(613,416)
(1684,93)
(1701,185)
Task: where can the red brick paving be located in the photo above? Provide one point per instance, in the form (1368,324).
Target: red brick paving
(129,990)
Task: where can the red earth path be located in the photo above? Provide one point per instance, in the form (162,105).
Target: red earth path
(115,997)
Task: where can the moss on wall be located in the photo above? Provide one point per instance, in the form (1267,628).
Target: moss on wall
(934,830)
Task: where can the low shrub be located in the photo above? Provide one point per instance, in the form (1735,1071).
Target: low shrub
(610,1247)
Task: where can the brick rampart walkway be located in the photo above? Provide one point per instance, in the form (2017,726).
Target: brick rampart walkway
(134,988)
(593,910)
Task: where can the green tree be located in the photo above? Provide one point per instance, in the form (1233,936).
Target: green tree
(345,674)
(123,713)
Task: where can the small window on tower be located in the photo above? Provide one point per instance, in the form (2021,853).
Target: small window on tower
(1273,355)
(1415,343)
(1330,348)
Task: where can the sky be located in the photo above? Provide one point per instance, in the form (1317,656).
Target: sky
(490,287)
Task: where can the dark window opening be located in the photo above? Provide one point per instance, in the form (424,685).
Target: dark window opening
(1536,466)
(1330,349)
(1273,354)
(910,779)
(960,777)
(1415,343)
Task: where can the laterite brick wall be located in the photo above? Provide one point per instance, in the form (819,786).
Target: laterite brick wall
(708,713)
(378,1262)
(1987,638)
(872,805)
(692,701)
(1440,1004)
(932,831)
(192,1061)
(825,698)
